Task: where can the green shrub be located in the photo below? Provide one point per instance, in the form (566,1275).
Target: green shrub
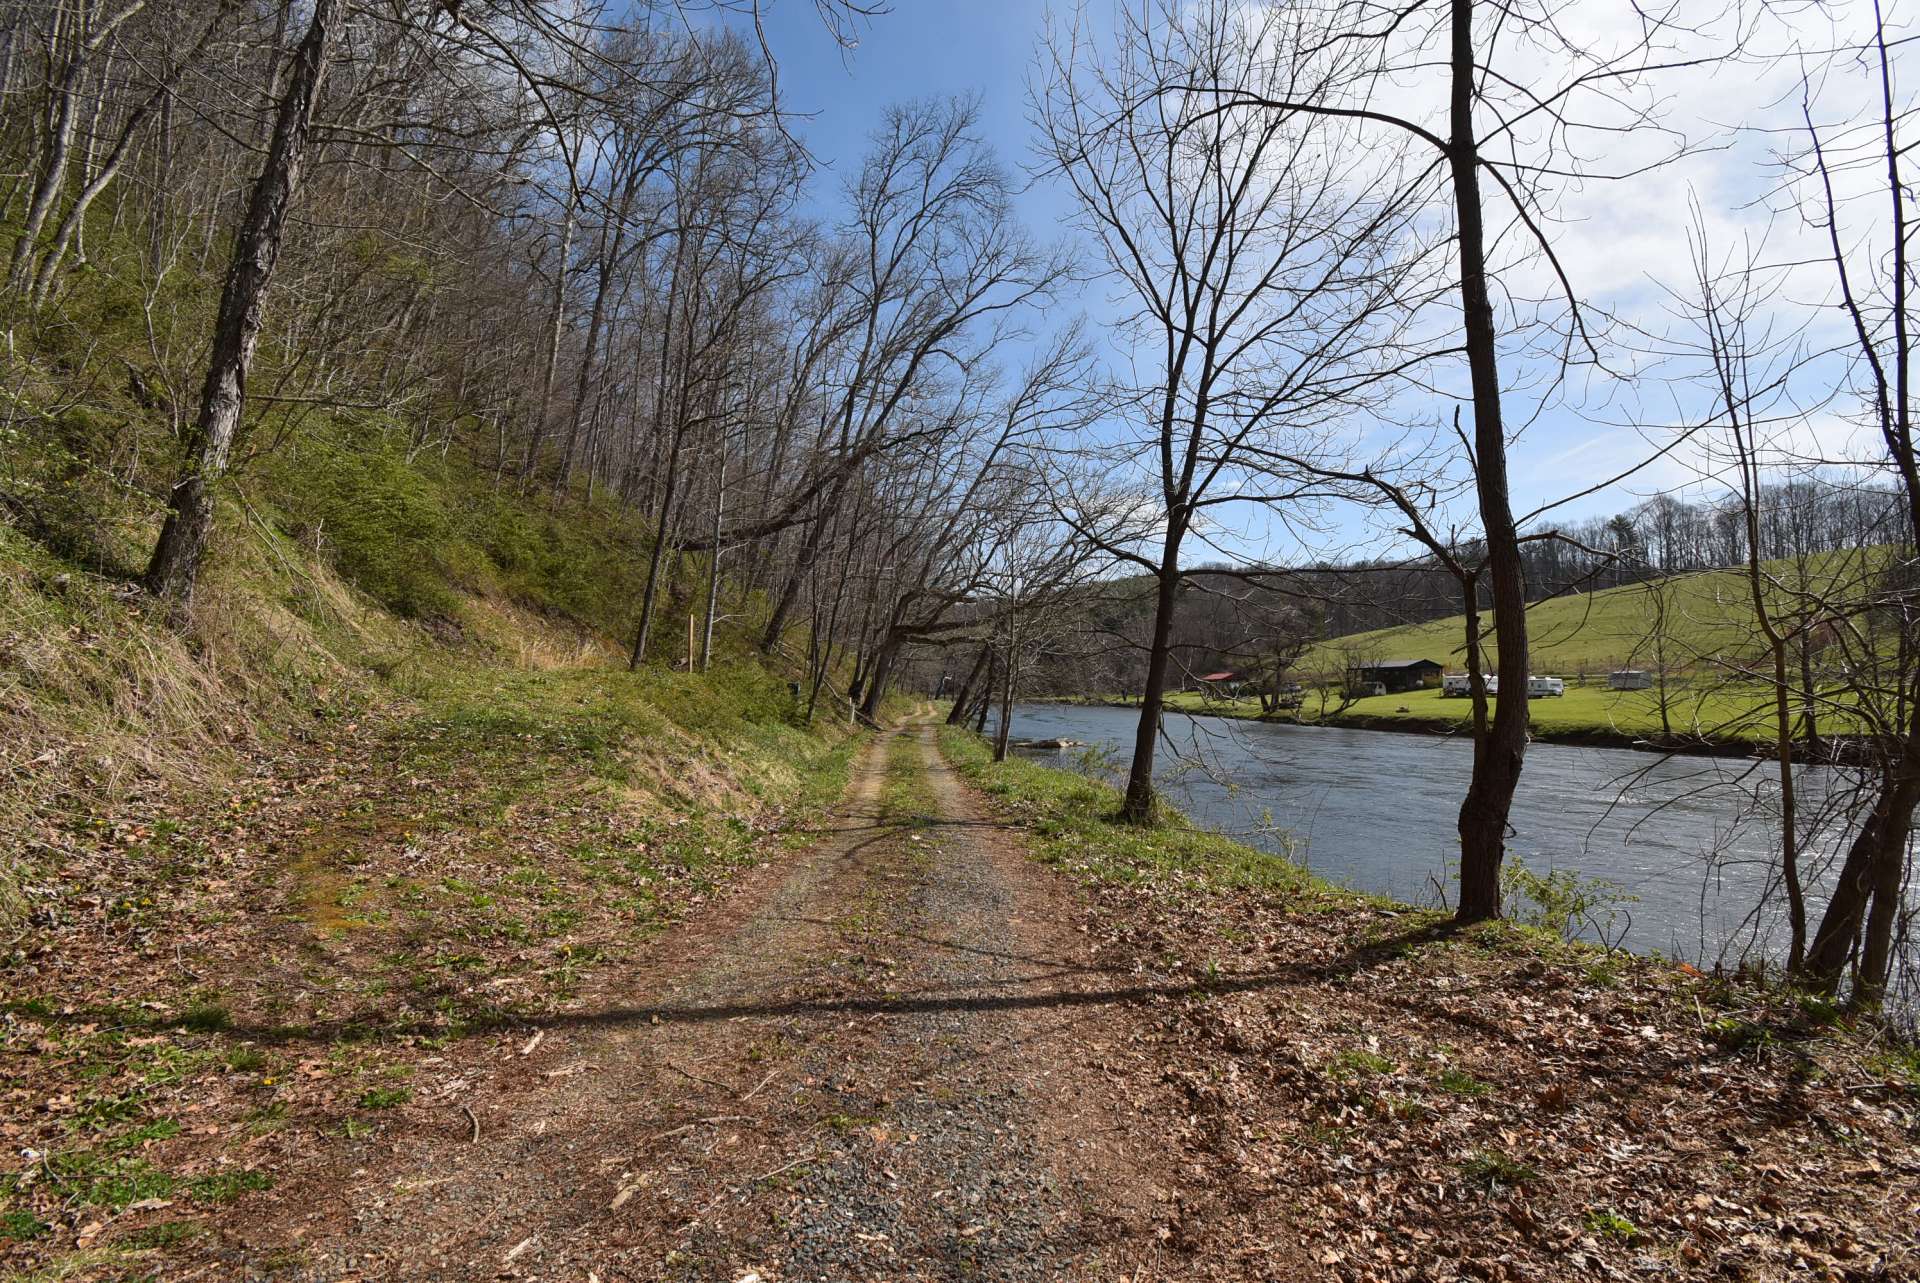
(1604,1222)
(1561,901)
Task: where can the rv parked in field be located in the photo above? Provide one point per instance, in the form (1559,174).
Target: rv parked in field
(1630,679)
(1460,685)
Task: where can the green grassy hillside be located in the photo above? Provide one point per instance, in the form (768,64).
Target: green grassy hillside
(1708,618)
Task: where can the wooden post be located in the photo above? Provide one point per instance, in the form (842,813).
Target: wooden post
(689,643)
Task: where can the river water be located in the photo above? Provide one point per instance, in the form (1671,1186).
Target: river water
(1691,839)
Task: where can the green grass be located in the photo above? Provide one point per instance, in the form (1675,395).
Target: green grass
(1709,711)
(1494,1170)
(1709,616)
(1604,1222)
(18,1225)
(1073,822)
(1358,1064)
(1709,639)
(904,797)
(1462,1083)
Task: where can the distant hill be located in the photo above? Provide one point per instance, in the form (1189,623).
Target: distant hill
(1709,615)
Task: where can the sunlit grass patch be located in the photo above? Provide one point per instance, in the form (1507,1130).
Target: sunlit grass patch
(1074,822)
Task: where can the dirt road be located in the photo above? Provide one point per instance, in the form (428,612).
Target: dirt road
(879,1059)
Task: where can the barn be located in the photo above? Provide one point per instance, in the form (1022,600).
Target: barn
(1395,676)
(1222,685)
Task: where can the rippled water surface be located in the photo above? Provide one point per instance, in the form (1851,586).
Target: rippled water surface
(1376,810)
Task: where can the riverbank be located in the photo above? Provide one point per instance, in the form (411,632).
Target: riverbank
(1365,1093)
(1718,727)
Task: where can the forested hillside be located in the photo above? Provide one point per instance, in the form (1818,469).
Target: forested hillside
(530,313)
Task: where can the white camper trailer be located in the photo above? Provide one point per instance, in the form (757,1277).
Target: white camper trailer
(1630,679)
(1545,687)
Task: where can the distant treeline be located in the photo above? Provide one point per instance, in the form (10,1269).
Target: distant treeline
(1236,619)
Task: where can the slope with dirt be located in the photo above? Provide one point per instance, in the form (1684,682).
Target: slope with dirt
(219,984)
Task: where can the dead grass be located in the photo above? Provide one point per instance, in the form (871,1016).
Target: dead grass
(99,704)
(526,639)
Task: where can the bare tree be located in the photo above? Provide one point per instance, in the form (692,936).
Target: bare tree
(1873,278)
(1491,111)
(939,275)
(1260,267)
(175,564)
(1725,310)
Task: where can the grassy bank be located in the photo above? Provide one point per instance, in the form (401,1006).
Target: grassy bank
(1071,819)
(1396,1099)
(1723,718)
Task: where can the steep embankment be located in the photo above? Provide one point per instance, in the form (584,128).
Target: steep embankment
(393,797)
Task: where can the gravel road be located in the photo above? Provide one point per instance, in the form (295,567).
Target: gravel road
(879,1059)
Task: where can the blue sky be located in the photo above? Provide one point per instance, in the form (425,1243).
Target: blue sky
(1624,243)
(924,48)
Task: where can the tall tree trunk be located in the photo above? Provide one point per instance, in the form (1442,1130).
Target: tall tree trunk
(986,697)
(1889,875)
(556,326)
(1004,731)
(1809,723)
(59,148)
(662,534)
(175,565)
(1782,696)
(609,258)
(1497,755)
(1138,807)
(75,218)
(880,675)
(809,549)
(1873,866)
(1869,880)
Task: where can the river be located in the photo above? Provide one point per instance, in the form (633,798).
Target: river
(1375,810)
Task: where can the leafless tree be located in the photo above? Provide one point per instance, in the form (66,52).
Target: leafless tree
(1512,75)
(1867,237)
(1727,305)
(1259,264)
